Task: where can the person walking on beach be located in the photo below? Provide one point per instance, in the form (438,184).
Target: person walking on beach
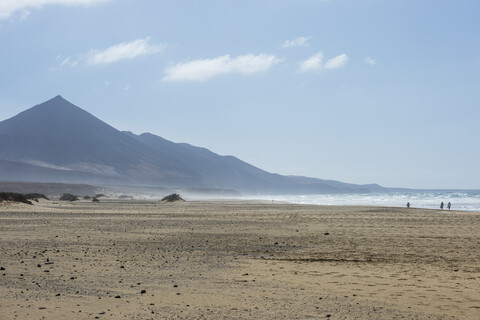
(408,204)
(449,205)
(441,205)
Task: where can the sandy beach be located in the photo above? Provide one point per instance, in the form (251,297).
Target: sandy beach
(236,260)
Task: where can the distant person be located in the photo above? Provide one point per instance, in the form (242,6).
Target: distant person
(441,205)
(449,205)
(408,204)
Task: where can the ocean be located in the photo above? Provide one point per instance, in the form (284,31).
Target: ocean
(466,201)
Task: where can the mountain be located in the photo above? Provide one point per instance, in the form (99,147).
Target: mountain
(57,141)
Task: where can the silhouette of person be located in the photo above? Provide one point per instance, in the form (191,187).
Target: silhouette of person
(441,205)
(408,204)
(449,205)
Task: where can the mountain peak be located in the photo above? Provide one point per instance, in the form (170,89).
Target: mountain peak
(54,116)
(57,102)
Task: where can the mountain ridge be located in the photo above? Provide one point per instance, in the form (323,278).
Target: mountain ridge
(56,141)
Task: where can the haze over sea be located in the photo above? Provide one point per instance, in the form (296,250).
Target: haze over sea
(460,200)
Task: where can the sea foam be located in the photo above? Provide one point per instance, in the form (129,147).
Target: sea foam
(466,201)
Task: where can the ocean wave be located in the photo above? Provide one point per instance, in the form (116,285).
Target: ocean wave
(466,201)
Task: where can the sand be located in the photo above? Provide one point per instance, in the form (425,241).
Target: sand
(236,260)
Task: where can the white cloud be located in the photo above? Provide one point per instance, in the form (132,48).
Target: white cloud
(9,7)
(314,63)
(65,61)
(370,61)
(301,41)
(201,70)
(336,62)
(122,51)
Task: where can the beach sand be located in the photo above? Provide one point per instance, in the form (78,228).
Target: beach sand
(236,260)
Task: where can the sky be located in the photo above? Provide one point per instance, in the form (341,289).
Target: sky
(360,91)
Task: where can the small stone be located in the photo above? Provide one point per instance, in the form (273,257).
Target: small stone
(143,291)
(326,233)
(117,297)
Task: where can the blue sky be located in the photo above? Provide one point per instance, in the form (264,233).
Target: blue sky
(372,91)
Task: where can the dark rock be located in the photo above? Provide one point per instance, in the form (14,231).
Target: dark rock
(172,198)
(143,291)
(68,197)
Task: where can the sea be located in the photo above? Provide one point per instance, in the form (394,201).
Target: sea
(460,200)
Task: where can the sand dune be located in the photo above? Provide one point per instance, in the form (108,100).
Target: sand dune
(240,260)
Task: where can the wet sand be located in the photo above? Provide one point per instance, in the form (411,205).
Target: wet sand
(236,260)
